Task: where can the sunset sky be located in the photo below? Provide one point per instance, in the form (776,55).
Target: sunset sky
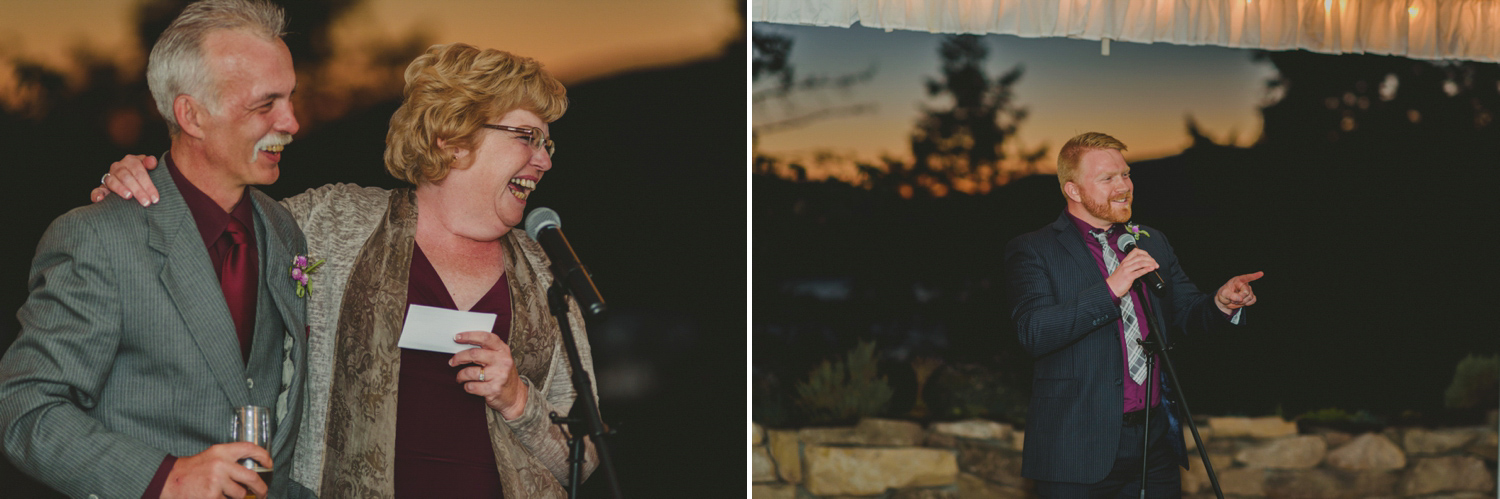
(576,39)
(1139,93)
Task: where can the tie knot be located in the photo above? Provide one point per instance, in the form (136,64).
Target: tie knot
(1101,235)
(237,232)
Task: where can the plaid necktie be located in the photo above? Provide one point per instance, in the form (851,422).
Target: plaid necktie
(1133,351)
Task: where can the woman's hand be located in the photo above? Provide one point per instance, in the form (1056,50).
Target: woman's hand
(128,178)
(493,375)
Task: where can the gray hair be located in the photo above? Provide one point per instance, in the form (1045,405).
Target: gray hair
(176,64)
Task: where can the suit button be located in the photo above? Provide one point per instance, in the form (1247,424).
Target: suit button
(1117,381)
(250,383)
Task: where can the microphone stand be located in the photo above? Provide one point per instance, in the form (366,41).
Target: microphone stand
(583,419)
(1155,347)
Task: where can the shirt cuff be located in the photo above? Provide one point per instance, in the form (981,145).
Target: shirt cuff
(159,481)
(1234,317)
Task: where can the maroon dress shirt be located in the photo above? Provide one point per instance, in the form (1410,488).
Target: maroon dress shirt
(442,438)
(212,223)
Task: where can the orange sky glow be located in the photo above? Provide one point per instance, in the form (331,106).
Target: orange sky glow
(577,40)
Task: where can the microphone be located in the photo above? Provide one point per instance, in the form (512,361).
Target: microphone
(545,227)
(1151,279)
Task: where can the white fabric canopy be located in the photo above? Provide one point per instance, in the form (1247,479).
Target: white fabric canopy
(1422,29)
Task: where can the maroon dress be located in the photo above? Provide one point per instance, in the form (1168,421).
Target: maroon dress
(442,438)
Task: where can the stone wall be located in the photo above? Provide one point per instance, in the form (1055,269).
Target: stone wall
(1253,457)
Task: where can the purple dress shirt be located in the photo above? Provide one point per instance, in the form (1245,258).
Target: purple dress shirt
(1135,393)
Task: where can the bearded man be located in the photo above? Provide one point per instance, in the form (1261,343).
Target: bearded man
(1079,314)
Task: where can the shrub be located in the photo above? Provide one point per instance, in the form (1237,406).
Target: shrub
(1475,383)
(966,390)
(845,390)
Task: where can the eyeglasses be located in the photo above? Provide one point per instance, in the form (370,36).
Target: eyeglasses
(539,138)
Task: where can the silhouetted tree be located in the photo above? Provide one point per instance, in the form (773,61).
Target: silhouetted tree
(1320,99)
(775,79)
(964,144)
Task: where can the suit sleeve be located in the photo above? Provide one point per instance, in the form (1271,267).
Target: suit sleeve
(1192,309)
(1045,321)
(53,373)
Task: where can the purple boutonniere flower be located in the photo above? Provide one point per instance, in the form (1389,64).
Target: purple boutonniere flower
(301,271)
(1135,230)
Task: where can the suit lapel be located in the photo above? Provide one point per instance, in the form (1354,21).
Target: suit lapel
(189,279)
(278,256)
(1067,236)
(277,253)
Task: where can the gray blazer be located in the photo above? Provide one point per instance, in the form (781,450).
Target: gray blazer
(127,352)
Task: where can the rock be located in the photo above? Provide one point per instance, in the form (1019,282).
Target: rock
(870,431)
(1419,441)
(1447,474)
(1334,438)
(1241,481)
(755,434)
(762,468)
(992,461)
(973,486)
(949,492)
(1017,439)
(867,471)
(1204,432)
(1298,452)
(1266,427)
(1302,484)
(1370,451)
(1485,446)
(1459,495)
(1195,479)
(773,491)
(941,440)
(787,451)
(974,428)
(897,432)
(1369,483)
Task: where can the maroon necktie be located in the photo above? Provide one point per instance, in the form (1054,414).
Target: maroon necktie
(238,282)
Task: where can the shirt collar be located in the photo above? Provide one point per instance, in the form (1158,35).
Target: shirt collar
(211,219)
(1087,231)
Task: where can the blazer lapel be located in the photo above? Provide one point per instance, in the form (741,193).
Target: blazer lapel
(189,279)
(1067,236)
(277,253)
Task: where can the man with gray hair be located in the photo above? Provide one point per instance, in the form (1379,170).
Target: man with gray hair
(146,329)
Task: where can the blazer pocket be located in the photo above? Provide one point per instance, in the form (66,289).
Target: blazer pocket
(1054,388)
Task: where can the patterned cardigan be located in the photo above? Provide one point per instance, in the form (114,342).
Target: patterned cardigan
(347,443)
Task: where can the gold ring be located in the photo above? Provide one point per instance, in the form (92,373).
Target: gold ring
(481,374)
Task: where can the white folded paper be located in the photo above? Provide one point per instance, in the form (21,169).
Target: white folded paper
(433,328)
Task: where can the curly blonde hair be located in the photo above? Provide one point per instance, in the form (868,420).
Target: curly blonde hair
(451,91)
(1072,153)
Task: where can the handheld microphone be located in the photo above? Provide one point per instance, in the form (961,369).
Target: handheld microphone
(544,226)
(1151,279)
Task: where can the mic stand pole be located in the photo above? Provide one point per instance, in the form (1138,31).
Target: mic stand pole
(587,423)
(1154,347)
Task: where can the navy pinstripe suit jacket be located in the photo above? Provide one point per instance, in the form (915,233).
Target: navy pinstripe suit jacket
(1066,318)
